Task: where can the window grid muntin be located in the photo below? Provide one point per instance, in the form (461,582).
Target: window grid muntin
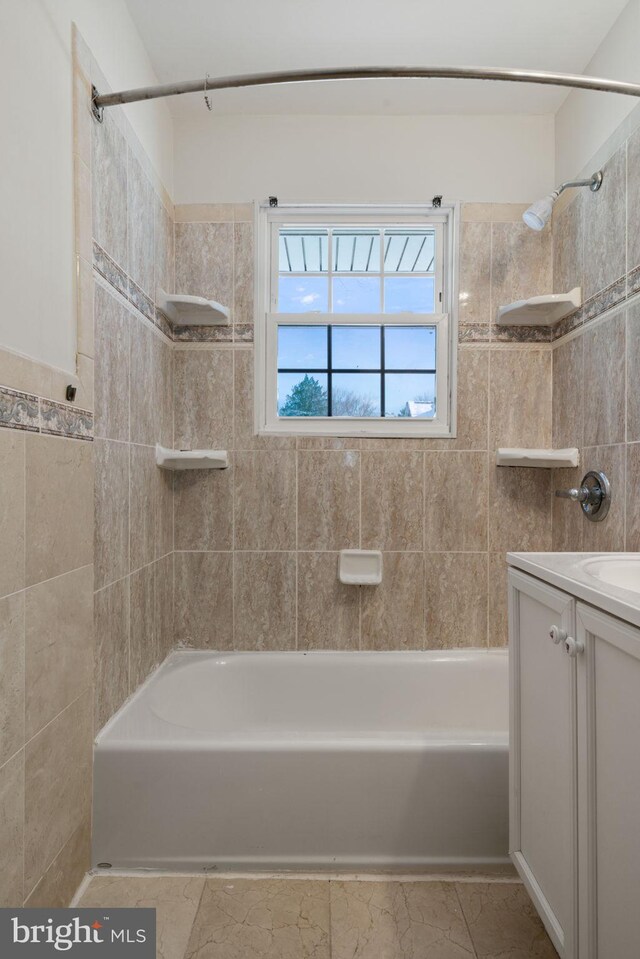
(384,233)
(382,371)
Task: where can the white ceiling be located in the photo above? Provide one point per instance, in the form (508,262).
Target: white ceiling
(186,39)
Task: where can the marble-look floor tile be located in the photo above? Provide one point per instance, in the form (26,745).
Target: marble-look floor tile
(262,919)
(174,898)
(503,922)
(397,920)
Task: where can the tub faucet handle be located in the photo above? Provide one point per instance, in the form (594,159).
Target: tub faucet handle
(593,495)
(577,495)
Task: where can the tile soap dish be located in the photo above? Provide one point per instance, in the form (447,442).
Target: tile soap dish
(543,459)
(540,310)
(360,567)
(191,459)
(185,310)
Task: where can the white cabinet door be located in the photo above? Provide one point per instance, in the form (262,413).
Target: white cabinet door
(543,755)
(609,786)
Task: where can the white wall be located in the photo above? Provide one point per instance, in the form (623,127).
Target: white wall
(507,159)
(37,316)
(586,120)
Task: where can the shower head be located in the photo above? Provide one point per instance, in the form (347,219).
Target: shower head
(539,212)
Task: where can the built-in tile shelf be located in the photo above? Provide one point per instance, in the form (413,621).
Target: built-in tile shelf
(360,567)
(168,459)
(544,310)
(185,310)
(540,459)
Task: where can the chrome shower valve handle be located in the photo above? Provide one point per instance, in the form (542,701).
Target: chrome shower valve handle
(577,495)
(594,495)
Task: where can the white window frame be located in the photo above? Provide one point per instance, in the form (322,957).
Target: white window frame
(268,221)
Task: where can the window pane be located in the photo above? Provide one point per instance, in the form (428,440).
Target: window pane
(302,347)
(410,394)
(409,251)
(410,347)
(355,394)
(304,251)
(302,394)
(303,294)
(409,294)
(355,347)
(356,251)
(356,294)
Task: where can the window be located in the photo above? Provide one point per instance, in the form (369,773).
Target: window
(354,327)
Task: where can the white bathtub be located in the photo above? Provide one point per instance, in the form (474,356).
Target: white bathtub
(308,761)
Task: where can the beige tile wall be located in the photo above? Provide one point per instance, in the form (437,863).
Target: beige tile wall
(46,663)
(257,545)
(596,368)
(131,222)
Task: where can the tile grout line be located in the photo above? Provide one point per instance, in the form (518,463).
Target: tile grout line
(464,919)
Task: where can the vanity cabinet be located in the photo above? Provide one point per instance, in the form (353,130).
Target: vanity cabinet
(575,768)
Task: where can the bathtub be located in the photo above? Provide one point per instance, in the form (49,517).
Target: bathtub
(308,761)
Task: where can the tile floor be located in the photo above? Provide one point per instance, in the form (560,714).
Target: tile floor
(292,918)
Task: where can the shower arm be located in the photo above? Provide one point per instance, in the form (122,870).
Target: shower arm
(593,182)
(575,81)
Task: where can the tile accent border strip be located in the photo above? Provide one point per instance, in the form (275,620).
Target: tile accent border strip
(123,284)
(612,295)
(35,414)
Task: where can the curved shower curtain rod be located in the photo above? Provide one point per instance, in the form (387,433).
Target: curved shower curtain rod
(576,81)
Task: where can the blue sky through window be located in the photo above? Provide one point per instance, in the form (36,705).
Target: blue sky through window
(350,392)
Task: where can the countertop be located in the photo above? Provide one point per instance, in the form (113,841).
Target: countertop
(566,571)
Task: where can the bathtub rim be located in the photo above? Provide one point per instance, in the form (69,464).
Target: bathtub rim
(490,739)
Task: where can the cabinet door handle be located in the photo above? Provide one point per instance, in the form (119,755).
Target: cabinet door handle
(573,646)
(557,635)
